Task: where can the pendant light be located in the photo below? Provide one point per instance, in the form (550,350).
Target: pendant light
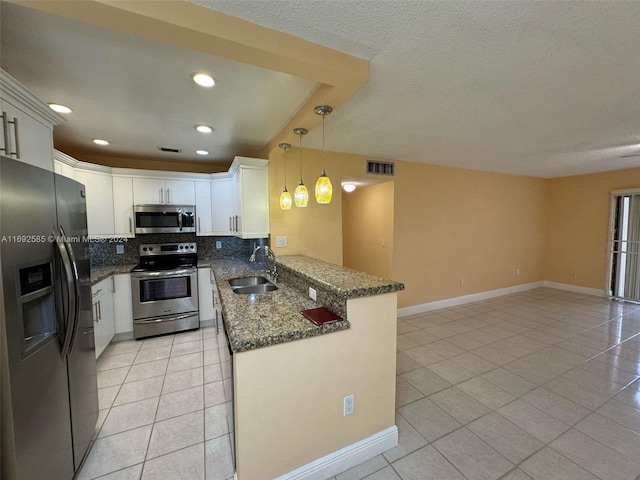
(301,195)
(285,196)
(324,190)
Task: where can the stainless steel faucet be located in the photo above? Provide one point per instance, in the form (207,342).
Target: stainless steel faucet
(271,274)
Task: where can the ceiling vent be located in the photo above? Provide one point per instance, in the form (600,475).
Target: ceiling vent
(380,168)
(169,150)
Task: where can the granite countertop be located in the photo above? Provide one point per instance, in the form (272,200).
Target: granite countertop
(346,282)
(255,321)
(100,273)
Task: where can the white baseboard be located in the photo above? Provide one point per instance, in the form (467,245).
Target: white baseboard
(474,297)
(576,288)
(345,458)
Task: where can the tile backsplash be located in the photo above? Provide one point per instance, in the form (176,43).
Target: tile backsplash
(103,251)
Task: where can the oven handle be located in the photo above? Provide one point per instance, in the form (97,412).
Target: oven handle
(165,319)
(164,273)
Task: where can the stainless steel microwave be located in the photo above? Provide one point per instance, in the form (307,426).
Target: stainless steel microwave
(165,218)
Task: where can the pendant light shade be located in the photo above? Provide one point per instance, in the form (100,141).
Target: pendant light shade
(301,195)
(285,196)
(324,189)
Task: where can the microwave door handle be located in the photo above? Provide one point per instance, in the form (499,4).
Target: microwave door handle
(180,215)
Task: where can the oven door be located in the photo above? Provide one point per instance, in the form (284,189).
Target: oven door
(164,293)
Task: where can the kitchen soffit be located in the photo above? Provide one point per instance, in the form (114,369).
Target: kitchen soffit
(137,92)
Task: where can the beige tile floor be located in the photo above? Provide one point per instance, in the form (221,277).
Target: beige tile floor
(537,385)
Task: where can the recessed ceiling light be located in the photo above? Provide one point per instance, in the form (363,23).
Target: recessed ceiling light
(59,108)
(204,128)
(349,187)
(203,79)
(99,141)
(202,152)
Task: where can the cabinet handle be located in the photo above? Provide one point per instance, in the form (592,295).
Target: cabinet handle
(168,195)
(95,312)
(113,284)
(162,195)
(5,133)
(96,292)
(199,226)
(130,225)
(230,227)
(16,136)
(99,311)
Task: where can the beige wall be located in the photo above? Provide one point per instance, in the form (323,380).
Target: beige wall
(449,224)
(578,226)
(289,397)
(367,229)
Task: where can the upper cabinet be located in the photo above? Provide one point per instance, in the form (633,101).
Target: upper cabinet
(203,207)
(250,198)
(26,133)
(123,206)
(234,203)
(157,191)
(222,207)
(99,198)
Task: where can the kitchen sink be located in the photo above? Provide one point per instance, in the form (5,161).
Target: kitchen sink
(247,281)
(263,288)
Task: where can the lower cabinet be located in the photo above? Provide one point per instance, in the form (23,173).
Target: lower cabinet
(103,314)
(122,303)
(206,285)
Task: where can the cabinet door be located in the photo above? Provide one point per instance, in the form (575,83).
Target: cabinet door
(254,195)
(180,192)
(123,310)
(34,139)
(205,295)
(103,314)
(99,192)
(123,207)
(222,207)
(148,191)
(64,169)
(203,207)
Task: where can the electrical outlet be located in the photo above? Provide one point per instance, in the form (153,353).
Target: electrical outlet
(281,241)
(349,405)
(312,293)
(218,244)
(462,282)
(119,249)
(517,270)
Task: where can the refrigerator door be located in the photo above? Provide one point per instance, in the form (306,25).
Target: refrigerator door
(81,360)
(36,425)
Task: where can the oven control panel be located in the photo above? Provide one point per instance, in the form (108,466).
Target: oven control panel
(168,248)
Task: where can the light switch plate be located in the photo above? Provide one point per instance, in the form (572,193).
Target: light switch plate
(281,241)
(218,244)
(119,249)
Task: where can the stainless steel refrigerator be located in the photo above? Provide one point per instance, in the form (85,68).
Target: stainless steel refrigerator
(48,390)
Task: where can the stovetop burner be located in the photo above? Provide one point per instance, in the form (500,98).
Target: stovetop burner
(168,256)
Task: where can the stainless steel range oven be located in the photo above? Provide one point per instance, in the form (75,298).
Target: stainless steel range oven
(164,289)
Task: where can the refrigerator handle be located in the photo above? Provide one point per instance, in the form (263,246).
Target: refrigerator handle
(67,274)
(76,284)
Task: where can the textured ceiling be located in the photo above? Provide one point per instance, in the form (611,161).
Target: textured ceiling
(529,87)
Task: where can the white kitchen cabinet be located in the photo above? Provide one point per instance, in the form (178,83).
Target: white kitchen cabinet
(222,206)
(99,197)
(203,207)
(251,202)
(123,219)
(28,135)
(205,295)
(63,169)
(123,309)
(103,314)
(155,191)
